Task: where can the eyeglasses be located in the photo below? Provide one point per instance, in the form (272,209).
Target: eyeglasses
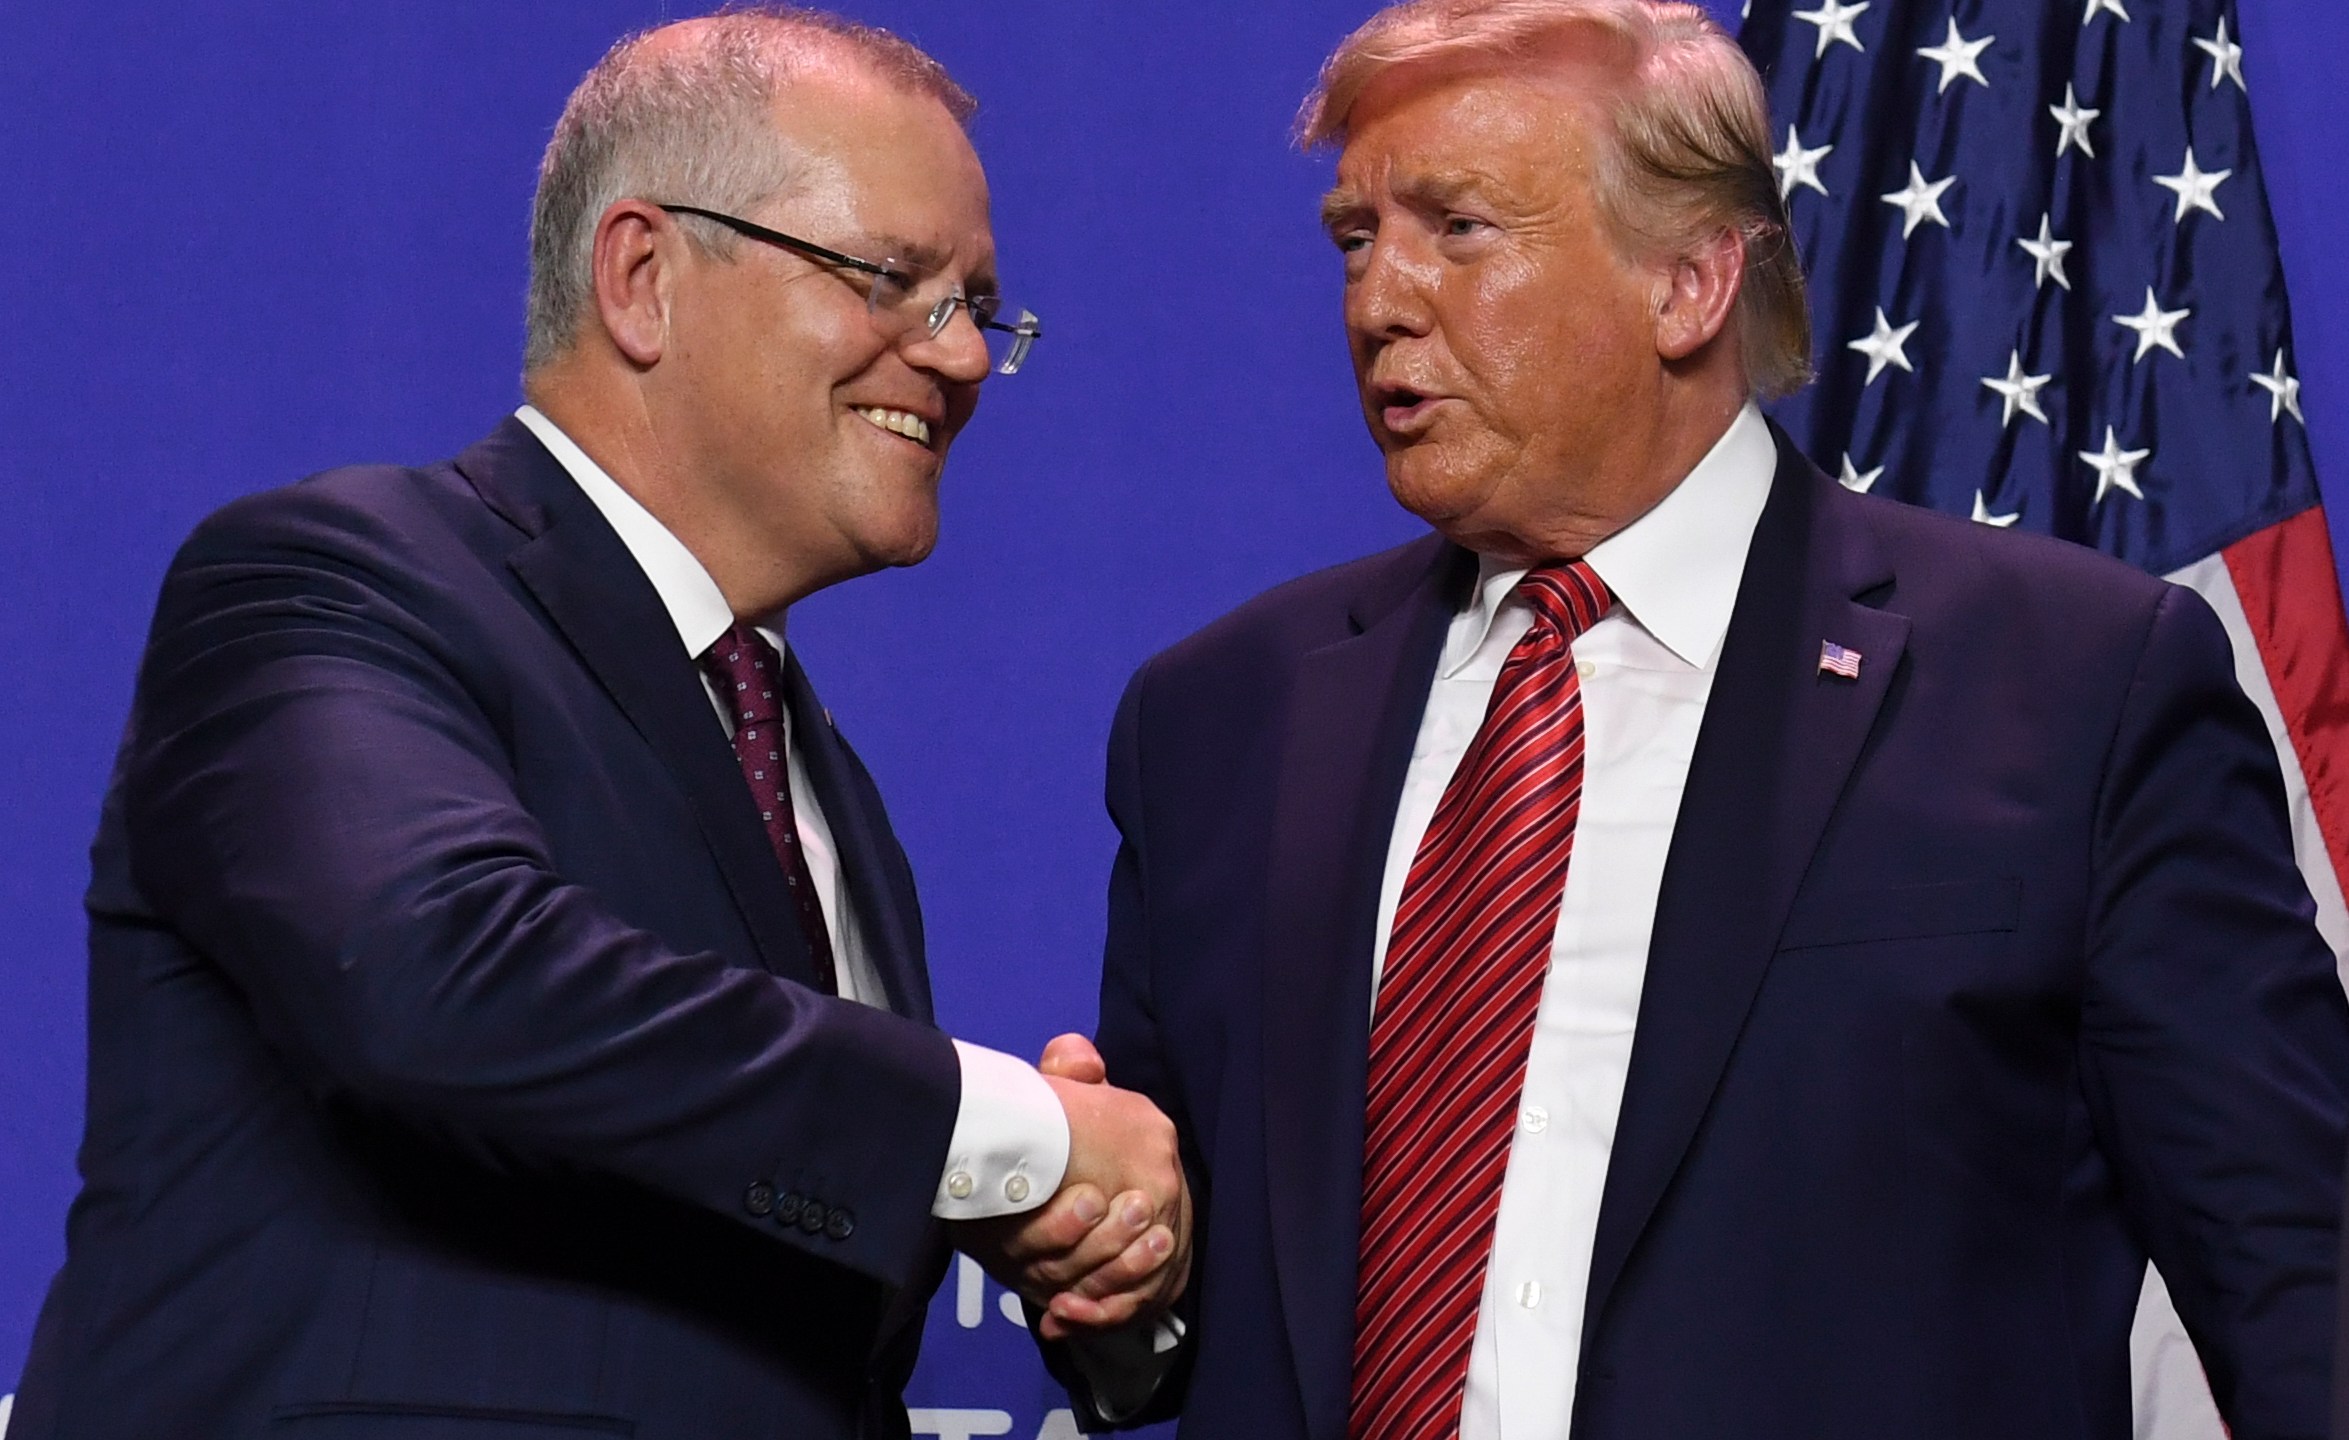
(893,295)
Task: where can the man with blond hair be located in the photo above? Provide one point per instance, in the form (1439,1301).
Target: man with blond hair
(1684,951)
(508,1013)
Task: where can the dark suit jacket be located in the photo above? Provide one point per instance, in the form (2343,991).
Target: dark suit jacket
(1974,982)
(451,1066)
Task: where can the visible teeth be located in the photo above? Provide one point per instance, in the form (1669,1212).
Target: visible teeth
(912,427)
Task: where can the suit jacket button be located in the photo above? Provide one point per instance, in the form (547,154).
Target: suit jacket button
(813,1217)
(759,1199)
(788,1206)
(841,1224)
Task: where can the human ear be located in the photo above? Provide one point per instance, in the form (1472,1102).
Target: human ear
(1696,292)
(632,268)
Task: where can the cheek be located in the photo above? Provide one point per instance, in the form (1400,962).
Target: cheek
(1511,326)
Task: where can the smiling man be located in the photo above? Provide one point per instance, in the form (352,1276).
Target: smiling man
(1683,950)
(508,1013)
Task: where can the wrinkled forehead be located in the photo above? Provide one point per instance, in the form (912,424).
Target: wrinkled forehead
(889,170)
(1435,134)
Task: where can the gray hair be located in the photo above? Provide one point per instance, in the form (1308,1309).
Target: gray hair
(1691,157)
(686,122)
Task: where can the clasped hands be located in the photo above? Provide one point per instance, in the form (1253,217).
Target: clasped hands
(1113,1245)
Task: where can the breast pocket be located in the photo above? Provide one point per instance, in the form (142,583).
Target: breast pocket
(1904,912)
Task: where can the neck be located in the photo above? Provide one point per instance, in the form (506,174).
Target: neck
(1642,465)
(607,414)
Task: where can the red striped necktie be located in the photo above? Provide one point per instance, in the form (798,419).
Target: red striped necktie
(1454,1022)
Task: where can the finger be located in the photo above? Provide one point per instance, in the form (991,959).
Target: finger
(1125,1224)
(1062,1225)
(1074,1312)
(1072,1057)
(1133,1268)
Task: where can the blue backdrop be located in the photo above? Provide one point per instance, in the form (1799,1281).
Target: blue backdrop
(256,238)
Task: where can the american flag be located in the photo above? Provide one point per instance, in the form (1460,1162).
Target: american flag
(1837,659)
(2046,294)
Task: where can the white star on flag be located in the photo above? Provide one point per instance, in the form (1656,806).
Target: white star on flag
(2194,186)
(1884,346)
(1798,166)
(2226,57)
(2154,326)
(1834,19)
(2116,469)
(2095,5)
(1857,480)
(2074,118)
(2283,392)
(1920,201)
(1959,56)
(2047,255)
(2018,390)
(1982,515)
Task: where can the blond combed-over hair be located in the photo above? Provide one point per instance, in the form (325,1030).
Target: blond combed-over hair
(687,123)
(1691,155)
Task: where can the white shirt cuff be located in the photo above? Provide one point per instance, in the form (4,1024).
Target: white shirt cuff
(1010,1144)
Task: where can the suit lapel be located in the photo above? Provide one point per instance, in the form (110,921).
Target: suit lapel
(1779,740)
(599,599)
(879,886)
(1352,717)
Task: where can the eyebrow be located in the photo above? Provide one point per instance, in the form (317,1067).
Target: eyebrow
(1432,192)
(1339,206)
(928,259)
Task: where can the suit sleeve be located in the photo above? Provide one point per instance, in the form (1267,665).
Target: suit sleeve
(2216,1035)
(1130,1047)
(320,803)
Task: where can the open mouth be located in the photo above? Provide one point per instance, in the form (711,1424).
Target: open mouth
(897,422)
(1403,410)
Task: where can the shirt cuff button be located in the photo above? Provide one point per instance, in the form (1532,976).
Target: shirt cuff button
(959,1185)
(1015,1189)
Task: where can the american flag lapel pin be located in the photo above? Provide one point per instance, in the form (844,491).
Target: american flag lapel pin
(1836,659)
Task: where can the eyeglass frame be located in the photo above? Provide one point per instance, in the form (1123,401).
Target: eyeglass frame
(1024,332)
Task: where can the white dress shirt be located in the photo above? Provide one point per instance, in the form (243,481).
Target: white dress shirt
(1646,668)
(1010,1144)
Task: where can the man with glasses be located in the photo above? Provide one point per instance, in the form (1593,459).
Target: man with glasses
(508,1007)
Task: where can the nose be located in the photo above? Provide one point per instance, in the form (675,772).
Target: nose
(1387,297)
(957,353)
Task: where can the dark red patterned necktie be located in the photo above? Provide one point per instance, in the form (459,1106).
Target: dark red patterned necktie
(1454,1022)
(748,675)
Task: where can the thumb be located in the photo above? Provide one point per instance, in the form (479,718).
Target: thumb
(1072,1057)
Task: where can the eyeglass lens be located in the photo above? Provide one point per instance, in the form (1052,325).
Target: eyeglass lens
(1009,330)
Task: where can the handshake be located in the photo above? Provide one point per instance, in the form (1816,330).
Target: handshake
(1113,1245)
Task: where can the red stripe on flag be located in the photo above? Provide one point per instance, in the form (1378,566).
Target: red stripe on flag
(2291,595)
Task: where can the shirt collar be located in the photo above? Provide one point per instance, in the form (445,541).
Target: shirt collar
(1675,569)
(695,604)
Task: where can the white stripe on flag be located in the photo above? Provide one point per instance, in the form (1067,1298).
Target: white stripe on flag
(2210,579)
(2170,1393)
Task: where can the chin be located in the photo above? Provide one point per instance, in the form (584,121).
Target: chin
(908,542)
(1430,490)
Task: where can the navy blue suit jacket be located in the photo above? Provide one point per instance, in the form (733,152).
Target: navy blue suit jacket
(1975,981)
(453,1069)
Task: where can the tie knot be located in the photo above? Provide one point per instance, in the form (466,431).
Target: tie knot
(1568,597)
(748,674)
